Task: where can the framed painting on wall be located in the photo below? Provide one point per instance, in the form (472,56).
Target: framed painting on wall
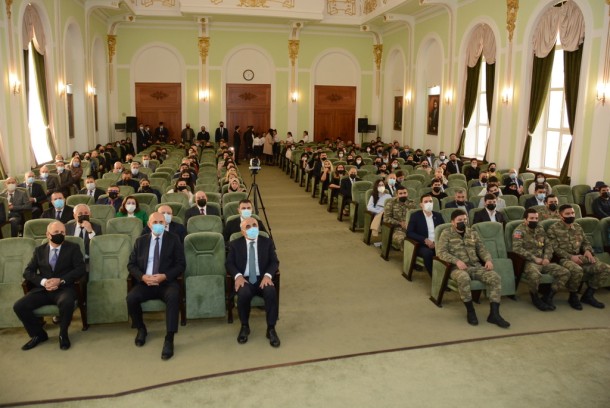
(433,106)
(398,112)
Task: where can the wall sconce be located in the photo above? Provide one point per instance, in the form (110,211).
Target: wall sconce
(506,95)
(15,84)
(91,90)
(408,97)
(448,97)
(204,95)
(294,96)
(602,90)
(61,88)
(69,89)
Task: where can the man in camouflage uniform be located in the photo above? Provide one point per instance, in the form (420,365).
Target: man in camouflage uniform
(395,213)
(463,247)
(550,210)
(530,241)
(576,254)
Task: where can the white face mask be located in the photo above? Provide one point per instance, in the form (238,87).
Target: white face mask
(442,157)
(130,207)
(381,189)
(60,169)
(428,207)
(90,186)
(540,180)
(146,162)
(11,187)
(44,176)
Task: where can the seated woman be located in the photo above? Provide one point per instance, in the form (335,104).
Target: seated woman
(376,203)
(131,208)
(540,179)
(394,165)
(235,187)
(325,177)
(335,181)
(182,187)
(358,162)
(439,175)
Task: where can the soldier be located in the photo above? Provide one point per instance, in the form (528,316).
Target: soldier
(463,247)
(576,254)
(551,204)
(395,213)
(530,241)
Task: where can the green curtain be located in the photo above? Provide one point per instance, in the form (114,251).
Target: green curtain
(541,79)
(470,99)
(490,76)
(41,77)
(571,67)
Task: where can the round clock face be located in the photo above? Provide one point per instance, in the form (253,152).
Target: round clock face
(248,75)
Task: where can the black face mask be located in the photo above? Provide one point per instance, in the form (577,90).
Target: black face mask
(181,188)
(403,199)
(553,207)
(569,220)
(202,202)
(145,188)
(436,189)
(57,239)
(82,218)
(490,207)
(113,194)
(341,171)
(483,179)
(353,176)
(460,203)
(461,226)
(493,169)
(603,195)
(532,224)
(497,193)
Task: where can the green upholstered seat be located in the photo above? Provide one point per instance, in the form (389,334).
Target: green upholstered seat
(230,209)
(204,223)
(233,197)
(15,253)
(129,226)
(175,198)
(513,212)
(149,199)
(358,204)
(37,229)
(76,199)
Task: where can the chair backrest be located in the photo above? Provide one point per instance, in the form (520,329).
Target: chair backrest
(422,178)
(589,197)
(371,168)
(204,223)
(130,226)
(126,190)
(414,184)
(104,183)
(178,210)
(149,199)
(547,223)
(108,256)
(231,197)
(510,200)
(439,229)
(578,193)
(159,184)
(553,182)
(524,198)
(492,235)
(15,253)
(102,212)
(592,229)
(604,225)
(527,176)
(230,209)
(37,229)
(111,176)
(205,254)
(371,178)
(446,213)
(457,176)
(457,183)
(214,197)
(161,176)
(446,200)
(509,228)
(563,193)
(513,212)
(175,198)
(76,199)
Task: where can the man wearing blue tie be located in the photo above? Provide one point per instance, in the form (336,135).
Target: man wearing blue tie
(253,263)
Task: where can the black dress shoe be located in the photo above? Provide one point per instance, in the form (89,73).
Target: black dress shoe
(168,350)
(64,342)
(274,340)
(34,341)
(141,337)
(243,334)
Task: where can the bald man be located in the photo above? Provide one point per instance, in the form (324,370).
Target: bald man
(52,271)
(170,225)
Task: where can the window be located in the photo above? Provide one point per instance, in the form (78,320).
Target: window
(36,122)
(551,140)
(477,131)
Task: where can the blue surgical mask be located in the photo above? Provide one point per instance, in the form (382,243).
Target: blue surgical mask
(391,182)
(44,176)
(252,232)
(168,218)
(540,197)
(30,180)
(157,229)
(246,213)
(58,204)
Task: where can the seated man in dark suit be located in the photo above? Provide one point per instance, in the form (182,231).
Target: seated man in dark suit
(483,178)
(170,226)
(421,229)
(437,190)
(60,211)
(460,201)
(113,199)
(35,192)
(18,203)
(252,262)
(200,208)
(489,213)
(601,205)
(454,166)
(91,189)
(345,189)
(146,188)
(472,172)
(126,180)
(234,225)
(538,198)
(54,268)
(156,262)
(83,228)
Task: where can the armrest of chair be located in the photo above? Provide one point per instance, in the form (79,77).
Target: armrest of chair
(230,293)
(387,230)
(410,248)
(353,213)
(518,265)
(441,272)
(26,286)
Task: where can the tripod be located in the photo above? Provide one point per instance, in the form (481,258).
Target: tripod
(256,194)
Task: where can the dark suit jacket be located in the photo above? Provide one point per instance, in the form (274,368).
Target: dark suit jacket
(453,204)
(161,134)
(203,135)
(21,201)
(132,183)
(65,181)
(417,229)
(236,139)
(483,215)
(141,139)
(451,167)
(172,257)
(238,256)
(233,226)
(530,202)
(221,134)
(96,193)
(67,213)
(69,267)
(471,173)
(194,210)
(174,228)
(345,187)
(37,193)
(106,201)
(71,227)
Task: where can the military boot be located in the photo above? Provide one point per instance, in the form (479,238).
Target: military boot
(548,299)
(471,316)
(588,298)
(540,305)
(574,301)
(494,316)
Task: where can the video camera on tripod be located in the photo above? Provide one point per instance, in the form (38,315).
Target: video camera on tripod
(255,165)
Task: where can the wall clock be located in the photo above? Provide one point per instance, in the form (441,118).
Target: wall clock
(248,75)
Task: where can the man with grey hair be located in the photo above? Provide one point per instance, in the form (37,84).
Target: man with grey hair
(18,202)
(83,227)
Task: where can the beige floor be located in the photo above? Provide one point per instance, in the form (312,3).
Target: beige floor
(338,298)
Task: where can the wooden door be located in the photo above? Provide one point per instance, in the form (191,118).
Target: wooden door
(334,112)
(248,104)
(160,102)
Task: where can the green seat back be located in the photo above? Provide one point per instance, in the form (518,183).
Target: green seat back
(578,193)
(149,199)
(509,228)
(204,223)
(15,253)
(592,229)
(76,199)
(230,209)
(563,193)
(175,198)
(511,200)
(124,191)
(129,226)
(589,202)
(37,229)
(231,197)
(513,212)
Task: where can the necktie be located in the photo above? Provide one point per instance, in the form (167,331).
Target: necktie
(202,211)
(10,198)
(58,215)
(91,193)
(85,236)
(30,190)
(53,260)
(252,264)
(156,258)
